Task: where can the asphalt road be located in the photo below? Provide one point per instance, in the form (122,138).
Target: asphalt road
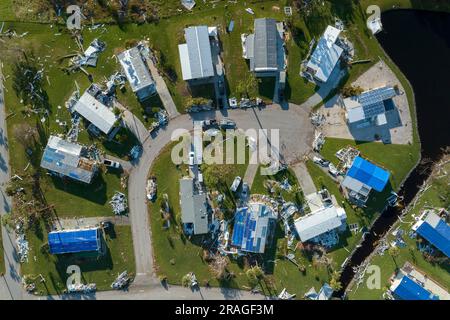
(10,283)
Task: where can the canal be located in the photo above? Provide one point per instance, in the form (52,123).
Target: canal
(418,42)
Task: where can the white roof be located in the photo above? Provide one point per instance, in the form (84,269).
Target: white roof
(326,54)
(319,222)
(95,112)
(195,54)
(135,69)
(356,185)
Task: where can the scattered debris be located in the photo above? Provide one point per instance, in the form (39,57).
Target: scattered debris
(319,140)
(119,203)
(135,152)
(317,119)
(250,10)
(188,4)
(90,55)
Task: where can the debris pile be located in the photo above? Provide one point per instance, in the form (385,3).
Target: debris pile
(121,281)
(119,203)
(151,188)
(90,55)
(319,140)
(346,157)
(79,287)
(317,119)
(135,152)
(22,245)
(188,4)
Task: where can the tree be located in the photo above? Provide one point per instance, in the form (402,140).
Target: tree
(394,252)
(350,91)
(335,282)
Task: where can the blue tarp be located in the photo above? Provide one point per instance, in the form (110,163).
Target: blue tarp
(410,290)
(369,174)
(74,241)
(438,236)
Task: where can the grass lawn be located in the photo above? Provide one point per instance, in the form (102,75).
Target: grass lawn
(410,253)
(102,271)
(398,159)
(2,257)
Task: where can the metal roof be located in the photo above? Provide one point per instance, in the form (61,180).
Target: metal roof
(265,45)
(65,158)
(368,104)
(73,241)
(437,232)
(252,226)
(369,174)
(407,289)
(193,206)
(319,222)
(95,112)
(356,185)
(195,54)
(326,54)
(135,69)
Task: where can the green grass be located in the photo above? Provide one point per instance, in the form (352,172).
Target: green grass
(398,159)
(410,253)
(102,271)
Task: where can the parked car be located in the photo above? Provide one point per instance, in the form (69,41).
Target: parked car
(191,158)
(111,163)
(321,162)
(227,124)
(333,170)
(236,183)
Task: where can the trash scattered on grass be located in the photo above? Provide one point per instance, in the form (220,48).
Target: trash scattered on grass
(151,188)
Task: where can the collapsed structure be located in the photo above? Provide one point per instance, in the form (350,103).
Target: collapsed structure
(370,107)
(137,73)
(325,56)
(75,241)
(361,178)
(265,48)
(68,159)
(253,227)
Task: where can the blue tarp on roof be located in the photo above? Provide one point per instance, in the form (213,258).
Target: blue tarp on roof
(369,174)
(438,236)
(410,290)
(74,241)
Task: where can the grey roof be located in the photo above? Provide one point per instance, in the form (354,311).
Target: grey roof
(368,104)
(193,206)
(319,222)
(356,185)
(65,158)
(135,69)
(195,54)
(265,45)
(326,54)
(95,112)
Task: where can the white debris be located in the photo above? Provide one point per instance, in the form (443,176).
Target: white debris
(84,288)
(119,203)
(284,295)
(151,188)
(22,245)
(121,281)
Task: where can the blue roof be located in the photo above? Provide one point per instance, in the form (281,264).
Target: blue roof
(369,174)
(74,241)
(438,236)
(408,289)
